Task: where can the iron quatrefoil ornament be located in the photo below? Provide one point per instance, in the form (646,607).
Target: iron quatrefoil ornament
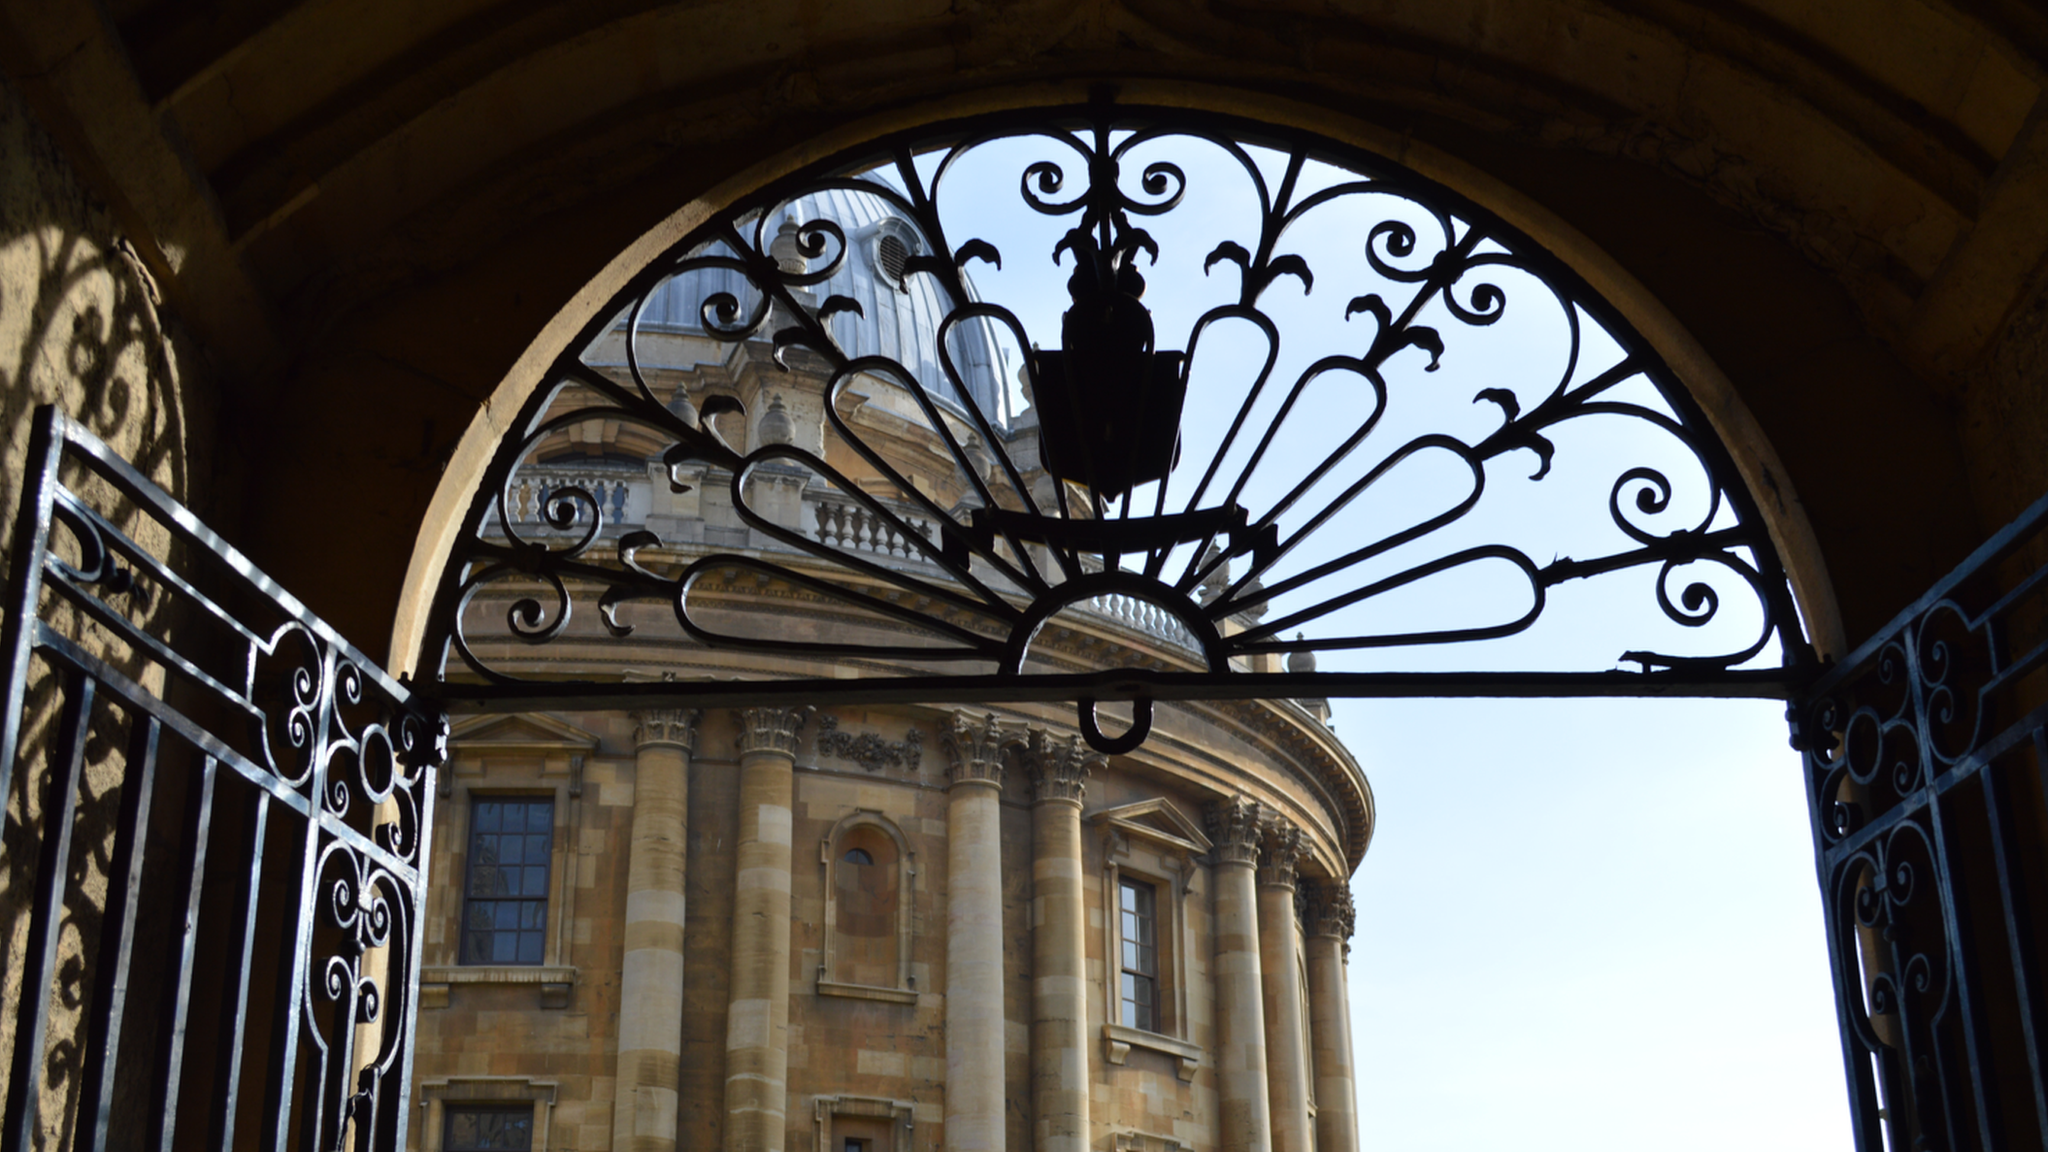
(1387,424)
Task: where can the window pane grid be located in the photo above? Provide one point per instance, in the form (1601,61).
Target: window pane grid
(506,911)
(1139,986)
(488,1129)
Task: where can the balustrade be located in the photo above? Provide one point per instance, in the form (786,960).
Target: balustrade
(849,525)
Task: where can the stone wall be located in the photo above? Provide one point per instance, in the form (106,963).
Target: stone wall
(82,327)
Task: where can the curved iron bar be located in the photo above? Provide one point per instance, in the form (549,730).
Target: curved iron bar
(1100,174)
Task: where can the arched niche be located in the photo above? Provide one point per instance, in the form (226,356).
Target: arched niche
(868,872)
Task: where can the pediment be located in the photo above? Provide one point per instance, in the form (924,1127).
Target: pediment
(1156,820)
(519,732)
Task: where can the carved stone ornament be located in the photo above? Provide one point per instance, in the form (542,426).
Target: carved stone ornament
(1330,911)
(771,729)
(674,726)
(1236,824)
(1059,770)
(1283,845)
(869,750)
(976,749)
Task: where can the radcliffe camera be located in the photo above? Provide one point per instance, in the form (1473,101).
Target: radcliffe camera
(1024,578)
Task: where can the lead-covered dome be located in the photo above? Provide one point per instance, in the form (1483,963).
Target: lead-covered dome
(900,314)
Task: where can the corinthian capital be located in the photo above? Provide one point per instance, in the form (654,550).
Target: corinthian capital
(1330,912)
(771,729)
(1235,824)
(1059,770)
(676,727)
(1282,848)
(976,750)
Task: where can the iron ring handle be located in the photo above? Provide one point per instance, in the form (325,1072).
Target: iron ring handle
(1141,727)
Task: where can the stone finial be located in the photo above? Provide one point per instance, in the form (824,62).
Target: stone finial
(1235,827)
(1254,600)
(1217,581)
(1280,851)
(771,729)
(1330,911)
(976,749)
(776,426)
(672,726)
(787,248)
(1301,660)
(1059,771)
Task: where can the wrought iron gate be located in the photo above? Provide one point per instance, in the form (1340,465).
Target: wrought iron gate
(224,812)
(1925,752)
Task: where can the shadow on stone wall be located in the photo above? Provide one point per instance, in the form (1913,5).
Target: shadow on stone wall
(81,326)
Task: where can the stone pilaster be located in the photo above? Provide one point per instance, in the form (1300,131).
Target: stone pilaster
(974,937)
(757,1019)
(1245,1109)
(651,976)
(1059,989)
(1330,918)
(1287,1071)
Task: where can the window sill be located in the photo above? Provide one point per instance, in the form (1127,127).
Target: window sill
(866,992)
(554,980)
(1120,1040)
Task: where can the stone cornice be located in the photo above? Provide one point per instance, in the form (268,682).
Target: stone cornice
(674,727)
(770,729)
(1236,824)
(1059,771)
(976,749)
(1281,848)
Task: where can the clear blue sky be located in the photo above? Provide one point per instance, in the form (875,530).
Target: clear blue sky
(1589,925)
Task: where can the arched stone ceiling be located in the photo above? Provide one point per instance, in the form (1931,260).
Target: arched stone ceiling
(368,207)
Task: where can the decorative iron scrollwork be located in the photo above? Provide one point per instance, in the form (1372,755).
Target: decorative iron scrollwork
(1320,484)
(1915,747)
(307,783)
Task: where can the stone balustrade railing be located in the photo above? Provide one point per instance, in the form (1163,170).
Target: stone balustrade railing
(613,492)
(1142,616)
(829,518)
(845,524)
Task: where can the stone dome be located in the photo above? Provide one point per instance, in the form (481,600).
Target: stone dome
(902,313)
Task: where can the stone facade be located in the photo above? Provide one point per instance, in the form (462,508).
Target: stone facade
(868,1060)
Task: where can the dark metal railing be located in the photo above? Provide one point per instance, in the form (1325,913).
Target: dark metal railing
(1925,753)
(219,853)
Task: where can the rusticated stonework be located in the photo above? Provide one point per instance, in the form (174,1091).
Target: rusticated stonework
(1235,826)
(1330,910)
(976,749)
(1059,770)
(676,726)
(1281,850)
(771,729)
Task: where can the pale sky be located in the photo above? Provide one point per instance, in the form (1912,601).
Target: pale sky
(1589,925)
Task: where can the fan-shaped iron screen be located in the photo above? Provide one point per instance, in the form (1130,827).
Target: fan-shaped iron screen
(1109,402)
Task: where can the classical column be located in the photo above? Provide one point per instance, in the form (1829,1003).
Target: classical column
(757,1021)
(974,938)
(1246,1111)
(1287,1072)
(1059,987)
(651,978)
(1329,1008)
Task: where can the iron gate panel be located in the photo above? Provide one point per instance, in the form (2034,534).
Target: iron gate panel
(229,864)
(1925,751)
(850,288)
